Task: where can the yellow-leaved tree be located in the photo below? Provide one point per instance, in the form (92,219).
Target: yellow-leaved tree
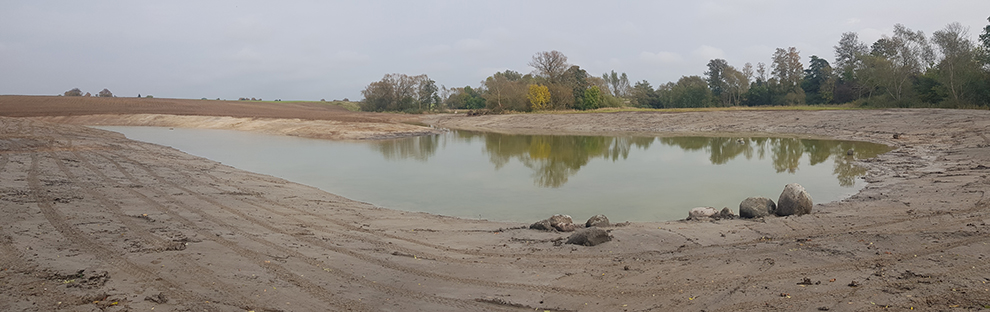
(539,97)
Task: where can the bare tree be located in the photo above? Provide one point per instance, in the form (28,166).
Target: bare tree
(105,93)
(551,65)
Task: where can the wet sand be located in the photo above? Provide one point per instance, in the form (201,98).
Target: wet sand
(94,221)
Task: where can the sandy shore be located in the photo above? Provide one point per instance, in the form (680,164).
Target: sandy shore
(93,221)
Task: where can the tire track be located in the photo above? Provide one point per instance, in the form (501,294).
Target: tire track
(190,268)
(280,271)
(10,257)
(254,257)
(315,242)
(109,257)
(375,260)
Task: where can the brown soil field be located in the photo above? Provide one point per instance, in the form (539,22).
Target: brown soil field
(305,119)
(93,221)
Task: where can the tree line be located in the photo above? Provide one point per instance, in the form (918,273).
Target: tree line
(905,69)
(77,92)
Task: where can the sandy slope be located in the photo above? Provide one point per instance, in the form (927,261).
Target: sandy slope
(95,221)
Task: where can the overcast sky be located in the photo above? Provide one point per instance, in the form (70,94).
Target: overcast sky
(309,50)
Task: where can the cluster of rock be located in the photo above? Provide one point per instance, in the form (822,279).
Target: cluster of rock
(590,235)
(794,200)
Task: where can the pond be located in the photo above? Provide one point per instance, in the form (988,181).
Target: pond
(530,177)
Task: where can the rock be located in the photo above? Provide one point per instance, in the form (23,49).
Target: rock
(794,200)
(589,237)
(850,152)
(756,207)
(597,220)
(701,212)
(542,225)
(565,227)
(725,213)
(561,223)
(159,298)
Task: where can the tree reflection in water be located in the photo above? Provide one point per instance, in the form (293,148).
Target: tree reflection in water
(786,153)
(554,159)
(419,148)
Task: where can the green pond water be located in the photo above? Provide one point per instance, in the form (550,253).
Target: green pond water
(531,177)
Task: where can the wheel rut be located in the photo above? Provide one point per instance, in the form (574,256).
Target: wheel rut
(97,250)
(278,270)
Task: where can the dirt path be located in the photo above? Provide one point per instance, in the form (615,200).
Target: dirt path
(93,221)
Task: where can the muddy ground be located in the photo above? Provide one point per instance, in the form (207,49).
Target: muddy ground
(93,221)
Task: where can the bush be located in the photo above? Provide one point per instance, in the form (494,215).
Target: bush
(105,93)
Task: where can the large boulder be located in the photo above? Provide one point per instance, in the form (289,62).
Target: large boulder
(756,207)
(701,212)
(598,220)
(794,200)
(589,237)
(562,223)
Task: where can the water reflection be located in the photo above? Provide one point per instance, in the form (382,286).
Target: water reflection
(553,159)
(786,153)
(419,148)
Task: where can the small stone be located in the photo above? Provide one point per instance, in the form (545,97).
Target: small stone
(598,220)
